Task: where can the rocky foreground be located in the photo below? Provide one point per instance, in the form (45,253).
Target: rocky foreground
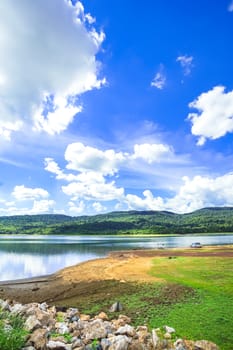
(66,329)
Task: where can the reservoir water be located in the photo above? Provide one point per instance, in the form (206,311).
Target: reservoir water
(29,256)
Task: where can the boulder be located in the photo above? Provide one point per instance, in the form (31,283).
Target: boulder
(32,323)
(119,342)
(205,345)
(102,316)
(38,338)
(169,329)
(58,345)
(95,330)
(116,307)
(127,330)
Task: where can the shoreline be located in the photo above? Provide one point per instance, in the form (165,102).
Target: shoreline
(130,266)
(177,251)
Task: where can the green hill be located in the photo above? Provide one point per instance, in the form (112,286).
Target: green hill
(205,220)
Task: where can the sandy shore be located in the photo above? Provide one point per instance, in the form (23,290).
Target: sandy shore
(126,266)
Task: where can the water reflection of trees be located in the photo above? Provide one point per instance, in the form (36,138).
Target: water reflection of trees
(59,248)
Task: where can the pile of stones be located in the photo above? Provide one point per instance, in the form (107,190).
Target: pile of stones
(52,329)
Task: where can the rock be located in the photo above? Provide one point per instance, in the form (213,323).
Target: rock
(121,321)
(58,345)
(102,316)
(72,311)
(52,310)
(167,335)
(95,330)
(32,323)
(127,330)
(155,338)
(136,345)
(144,336)
(169,329)
(17,308)
(119,342)
(88,333)
(77,343)
(72,314)
(116,307)
(44,317)
(62,327)
(105,343)
(38,338)
(43,306)
(180,345)
(4,305)
(31,309)
(84,317)
(205,345)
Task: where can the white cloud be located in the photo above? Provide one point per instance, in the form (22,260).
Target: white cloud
(203,191)
(159,79)
(98,207)
(93,167)
(42,206)
(6,128)
(48,49)
(57,120)
(22,193)
(77,208)
(195,193)
(186,63)
(230,7)
(148,202)
(85,158)
(93,191)
(152,152)
(85,176)
(215,114)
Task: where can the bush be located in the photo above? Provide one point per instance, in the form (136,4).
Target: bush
(12,332)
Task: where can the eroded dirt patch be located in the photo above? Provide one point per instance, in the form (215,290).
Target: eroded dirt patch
(171,294)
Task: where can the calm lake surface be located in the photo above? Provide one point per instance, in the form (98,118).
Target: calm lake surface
(24,256)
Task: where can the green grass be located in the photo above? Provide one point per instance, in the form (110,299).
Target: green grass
(194,295)
(12,332)
(207,315)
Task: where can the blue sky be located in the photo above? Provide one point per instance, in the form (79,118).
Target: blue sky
(115,105)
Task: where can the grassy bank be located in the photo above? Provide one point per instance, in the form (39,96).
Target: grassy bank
(195,296)
(208,313)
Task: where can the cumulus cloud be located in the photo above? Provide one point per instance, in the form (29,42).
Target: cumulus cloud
(195,193)
(204,191)
(92,175)
(159,79)
(98,207)
(42,206)
(57,120)
(77,208)
(48,58)
(147,202)
(22,193)
(215,114)
(93,191)
(152,152)
(186,63)
(85,158)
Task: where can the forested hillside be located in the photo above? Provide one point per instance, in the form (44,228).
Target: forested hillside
(126,222)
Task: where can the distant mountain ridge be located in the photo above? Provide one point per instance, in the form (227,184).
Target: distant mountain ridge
(206,220)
